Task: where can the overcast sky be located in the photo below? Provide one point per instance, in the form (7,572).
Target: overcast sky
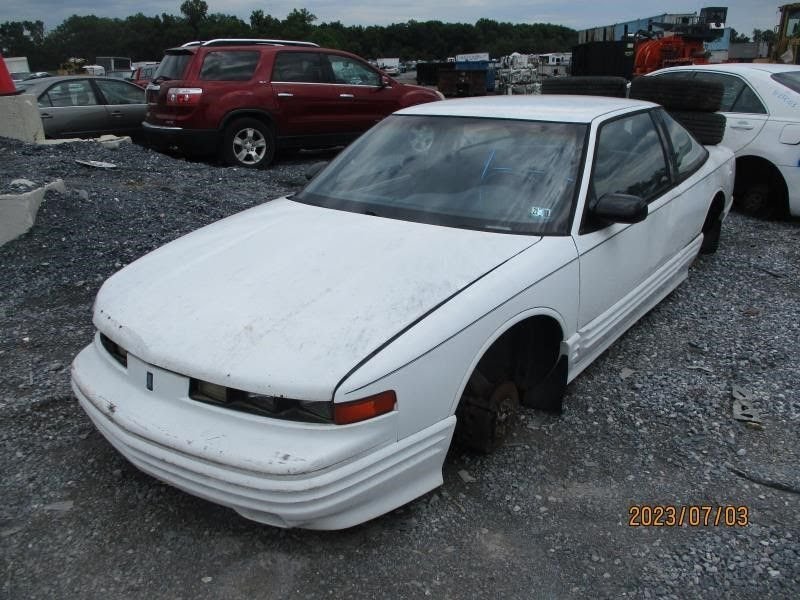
(743,15)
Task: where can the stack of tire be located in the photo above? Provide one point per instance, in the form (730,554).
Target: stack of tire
(615,87)
(690,102)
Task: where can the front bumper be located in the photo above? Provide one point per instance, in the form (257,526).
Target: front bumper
(280,473)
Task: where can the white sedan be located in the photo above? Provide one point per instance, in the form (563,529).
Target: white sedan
(761,104)
(307,362)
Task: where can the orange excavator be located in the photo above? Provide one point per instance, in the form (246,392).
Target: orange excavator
(678,43)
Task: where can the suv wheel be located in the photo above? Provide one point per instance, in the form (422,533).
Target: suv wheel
(248,143)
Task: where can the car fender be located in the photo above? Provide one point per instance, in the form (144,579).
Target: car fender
(429,364)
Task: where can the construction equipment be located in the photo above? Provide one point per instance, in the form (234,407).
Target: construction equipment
(678,43)
(787,45)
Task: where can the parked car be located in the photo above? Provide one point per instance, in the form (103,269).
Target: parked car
(761,103)
(243,99)
(144,74)
(306,362)
(87,106)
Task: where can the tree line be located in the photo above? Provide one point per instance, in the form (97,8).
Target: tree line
(145,38)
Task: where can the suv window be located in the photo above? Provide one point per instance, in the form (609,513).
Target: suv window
(687,153)
(630,159)
(173,66)
(351,72)
(737,96)
(229,65)
(303,67)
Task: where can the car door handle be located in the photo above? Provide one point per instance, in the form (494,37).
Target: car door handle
(285,95)
(742,125)
(346,96)
(116,113)
(46,116)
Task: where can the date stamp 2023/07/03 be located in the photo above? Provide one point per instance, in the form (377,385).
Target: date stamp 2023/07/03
(691,515)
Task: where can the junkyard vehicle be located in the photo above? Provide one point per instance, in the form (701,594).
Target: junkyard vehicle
(243,99)
(144,74)
(84,106)
(307,362)
(761,104)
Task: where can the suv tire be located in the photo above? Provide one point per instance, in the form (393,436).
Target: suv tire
(680,94)
(708,128)
(248,143)
(615,87)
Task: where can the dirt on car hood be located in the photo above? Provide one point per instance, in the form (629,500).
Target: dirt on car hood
(286,298)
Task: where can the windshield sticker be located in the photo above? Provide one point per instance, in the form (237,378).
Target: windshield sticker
(537,212)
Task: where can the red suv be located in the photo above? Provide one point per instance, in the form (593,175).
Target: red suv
(246,98)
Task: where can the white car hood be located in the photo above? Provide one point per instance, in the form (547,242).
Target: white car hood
(286,298)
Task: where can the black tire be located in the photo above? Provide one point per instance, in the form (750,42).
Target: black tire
(711,237)
(248,143)
(707,128)
(755,200)
(616,87)
(679,94)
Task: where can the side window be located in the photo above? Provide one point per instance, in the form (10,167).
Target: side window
(737,95)
(630,159)
(229,65)
(118,92)
(69,93)
(688,154)
(351,72)
(301,67)
(748,102)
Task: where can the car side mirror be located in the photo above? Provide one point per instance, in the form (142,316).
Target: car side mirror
(619,208)
(385,81)
(314,169)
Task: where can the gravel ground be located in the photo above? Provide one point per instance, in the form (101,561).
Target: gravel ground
(546,516)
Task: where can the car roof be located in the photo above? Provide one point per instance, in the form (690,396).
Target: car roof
(37,85)
(736,68)
(556,108)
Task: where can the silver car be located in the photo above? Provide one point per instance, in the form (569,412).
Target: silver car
(82,106)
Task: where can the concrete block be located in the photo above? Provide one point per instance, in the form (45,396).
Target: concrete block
(18,211)
(19,118)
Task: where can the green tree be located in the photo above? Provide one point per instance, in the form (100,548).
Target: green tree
(738,38)
(298,24)
(195,12)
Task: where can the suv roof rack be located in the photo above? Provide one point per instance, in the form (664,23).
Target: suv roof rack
(248,42)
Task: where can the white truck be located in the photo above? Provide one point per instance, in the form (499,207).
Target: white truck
(17,64)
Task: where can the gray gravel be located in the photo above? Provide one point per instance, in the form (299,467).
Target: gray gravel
(546,516)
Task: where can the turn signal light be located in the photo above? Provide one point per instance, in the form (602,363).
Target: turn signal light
(366,408)
(184,96)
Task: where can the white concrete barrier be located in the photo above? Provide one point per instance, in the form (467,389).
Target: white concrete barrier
(18,211)
(19,118)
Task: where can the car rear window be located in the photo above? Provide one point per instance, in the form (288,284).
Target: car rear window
(790,79)
(229,65)
(173,66)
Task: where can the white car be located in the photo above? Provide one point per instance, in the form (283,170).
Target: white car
(306,362)
(761,104)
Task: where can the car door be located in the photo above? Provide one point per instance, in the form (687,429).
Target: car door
(745,113)
(308,105)
(617,260)
(70,108)
(124,104)
(364,99)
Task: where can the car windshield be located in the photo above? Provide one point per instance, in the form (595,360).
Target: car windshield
(790,79)
(477,173)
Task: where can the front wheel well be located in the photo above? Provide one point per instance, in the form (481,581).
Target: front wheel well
(524,364)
